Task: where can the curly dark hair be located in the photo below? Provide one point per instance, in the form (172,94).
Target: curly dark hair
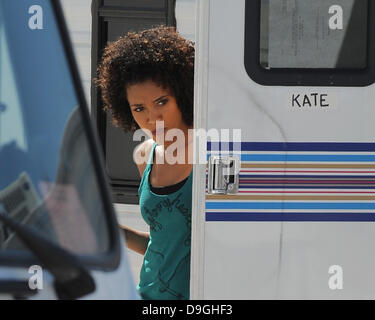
(159,54)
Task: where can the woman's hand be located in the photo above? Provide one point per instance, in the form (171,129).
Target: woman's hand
(136,240)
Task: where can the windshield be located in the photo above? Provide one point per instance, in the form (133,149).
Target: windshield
(47,177)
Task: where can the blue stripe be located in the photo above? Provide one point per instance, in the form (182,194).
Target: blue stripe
(300,146)
(281,216)
(290,205)
(305,157)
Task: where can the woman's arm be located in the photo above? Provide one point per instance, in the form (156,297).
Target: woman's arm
(136,240)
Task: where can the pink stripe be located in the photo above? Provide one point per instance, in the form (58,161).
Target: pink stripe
(303,192)
(307,181)
(309,171)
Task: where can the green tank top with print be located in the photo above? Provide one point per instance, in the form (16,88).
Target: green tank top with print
(165,273)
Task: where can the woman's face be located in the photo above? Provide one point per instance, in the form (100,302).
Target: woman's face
(150,103)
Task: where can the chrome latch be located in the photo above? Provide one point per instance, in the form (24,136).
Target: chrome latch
(223,174)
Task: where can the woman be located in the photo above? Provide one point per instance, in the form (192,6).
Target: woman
(147,81)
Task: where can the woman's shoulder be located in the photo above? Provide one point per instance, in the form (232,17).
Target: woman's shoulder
(142,153)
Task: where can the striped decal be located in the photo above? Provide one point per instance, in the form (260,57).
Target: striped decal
(298,182)
(305,158)
(307,166)
(281,216)
(295,146)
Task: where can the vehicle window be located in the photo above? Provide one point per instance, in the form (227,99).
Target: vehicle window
(314,34)
(47,177)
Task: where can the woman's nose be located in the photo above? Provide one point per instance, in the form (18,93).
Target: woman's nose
(154,116)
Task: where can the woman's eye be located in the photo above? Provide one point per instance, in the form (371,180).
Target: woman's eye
(138,109)
(162,102)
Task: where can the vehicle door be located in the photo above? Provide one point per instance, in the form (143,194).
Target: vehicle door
(52,183)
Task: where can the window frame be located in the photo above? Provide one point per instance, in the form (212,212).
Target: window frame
(301,76)
(109,260)
(123,190)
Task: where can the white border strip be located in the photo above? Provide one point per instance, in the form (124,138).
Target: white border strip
(199,176)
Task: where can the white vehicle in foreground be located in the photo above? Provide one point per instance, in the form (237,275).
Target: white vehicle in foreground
(59,236)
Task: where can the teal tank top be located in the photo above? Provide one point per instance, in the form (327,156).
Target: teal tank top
(165,272)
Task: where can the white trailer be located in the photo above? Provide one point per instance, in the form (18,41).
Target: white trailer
(296,77)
